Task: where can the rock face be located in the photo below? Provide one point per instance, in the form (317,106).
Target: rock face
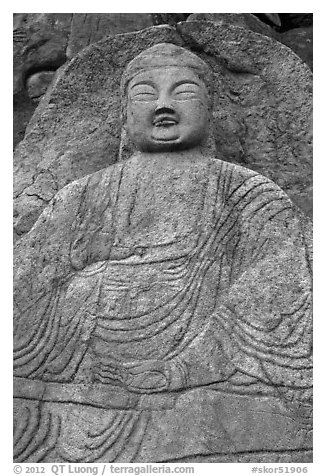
(254,76)
(244,20)
(88,28)
(38,83)
(45,41)
(262,110)
(163,304)
(169,18)
(113,321)
(40,42)
(298,39)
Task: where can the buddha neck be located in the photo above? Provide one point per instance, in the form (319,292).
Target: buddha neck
(171,160)
(162,196)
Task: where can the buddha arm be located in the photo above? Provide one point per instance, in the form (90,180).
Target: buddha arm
(261,327)
(53,317)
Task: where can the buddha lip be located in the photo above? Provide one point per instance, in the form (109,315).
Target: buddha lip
(164,121)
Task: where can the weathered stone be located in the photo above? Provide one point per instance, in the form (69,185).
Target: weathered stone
(169,18)
(38,83)
(300,40)
(76,129)
(163,303)
(45,35)
(88,28)
(44,41)
(24,108)
(262,112)
(270,112)
(244,20)
(40,42)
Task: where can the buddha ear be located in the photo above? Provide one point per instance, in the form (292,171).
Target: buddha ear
(123,109)
(126,148)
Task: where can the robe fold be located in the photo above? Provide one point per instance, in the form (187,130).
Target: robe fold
(203,268)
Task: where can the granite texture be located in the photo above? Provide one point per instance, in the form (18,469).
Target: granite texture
(48,40)
(300,40)
(262,113)
(40,42)
(163,315)
(88,28)
(163,304)
(38,83)
(243,20)
(45,41)
(296,36)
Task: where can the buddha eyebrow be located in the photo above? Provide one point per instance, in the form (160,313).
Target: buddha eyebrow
(142,83)
(186,81)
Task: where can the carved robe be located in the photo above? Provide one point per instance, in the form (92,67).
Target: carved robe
(202,266)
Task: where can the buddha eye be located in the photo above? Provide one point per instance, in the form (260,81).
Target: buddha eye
(143,92)
(144,96)
(185,91)
(185,94)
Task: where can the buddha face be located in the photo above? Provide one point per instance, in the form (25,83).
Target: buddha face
(167,110)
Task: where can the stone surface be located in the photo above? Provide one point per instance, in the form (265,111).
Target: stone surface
(262,128)
(244,20)
(88,28)
(49,39)
(169,18)
(38,83)
(262,113)
(24,108)
(40,42)
(298,39)
(163,304)
(45,41)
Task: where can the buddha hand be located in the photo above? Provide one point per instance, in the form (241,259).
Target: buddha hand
(151,376)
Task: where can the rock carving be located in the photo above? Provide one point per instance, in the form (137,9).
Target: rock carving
(163,304)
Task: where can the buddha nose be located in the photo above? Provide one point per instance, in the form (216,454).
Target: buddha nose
(164,104)
(164,110)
